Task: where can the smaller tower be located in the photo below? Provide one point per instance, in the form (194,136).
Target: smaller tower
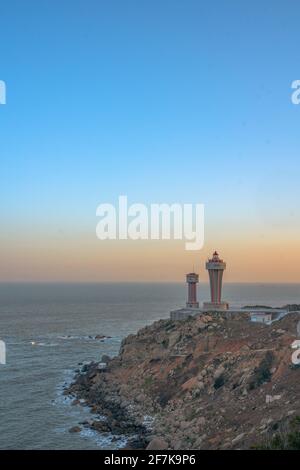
(192,279)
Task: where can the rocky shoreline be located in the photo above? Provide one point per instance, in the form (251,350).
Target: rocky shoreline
(112,416)
(212,381)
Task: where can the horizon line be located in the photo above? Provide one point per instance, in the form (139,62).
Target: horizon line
(146,282)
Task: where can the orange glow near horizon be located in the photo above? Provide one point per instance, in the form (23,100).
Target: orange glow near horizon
(86,259)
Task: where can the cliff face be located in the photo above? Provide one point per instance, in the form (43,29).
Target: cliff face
(209,382)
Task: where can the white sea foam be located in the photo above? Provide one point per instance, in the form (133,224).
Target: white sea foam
(84,337)
(104,440)
(79,414)
(42,313)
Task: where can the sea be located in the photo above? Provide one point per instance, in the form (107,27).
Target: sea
(51,330)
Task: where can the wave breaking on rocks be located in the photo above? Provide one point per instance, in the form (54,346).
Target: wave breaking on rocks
(212,381)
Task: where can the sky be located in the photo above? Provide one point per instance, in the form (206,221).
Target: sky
(163,101)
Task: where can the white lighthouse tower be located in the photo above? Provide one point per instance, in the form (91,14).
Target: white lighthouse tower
(215,267)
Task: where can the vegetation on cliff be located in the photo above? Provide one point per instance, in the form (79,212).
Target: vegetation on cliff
(213,381)
(287,437)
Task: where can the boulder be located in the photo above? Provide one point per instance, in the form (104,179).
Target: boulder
(201,325)
(157,444)
(75,429)
(219,372)
(105,358)
(237,438)
(174,338)
(201,385)
(201,421)
(101,426)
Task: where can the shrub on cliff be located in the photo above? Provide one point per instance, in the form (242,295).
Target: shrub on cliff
(219,382)
(286,438)
(262,373)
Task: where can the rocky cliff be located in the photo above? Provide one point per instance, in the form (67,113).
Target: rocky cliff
(214,381)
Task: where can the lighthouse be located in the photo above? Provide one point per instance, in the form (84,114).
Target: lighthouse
(192,304)
(215,267)
(192,279)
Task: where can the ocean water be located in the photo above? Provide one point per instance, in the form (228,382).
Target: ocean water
(50,328)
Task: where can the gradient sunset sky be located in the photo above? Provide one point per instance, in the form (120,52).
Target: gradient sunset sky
(163,101)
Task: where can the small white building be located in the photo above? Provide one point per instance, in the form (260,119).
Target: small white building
(261,317)
(267,316)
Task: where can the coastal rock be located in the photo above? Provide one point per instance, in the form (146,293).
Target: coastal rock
(75,429)
(174,380)
(201,421)
(105,358)
(237,438)
(220,371)
(157,444)
(101,426)
(174,338)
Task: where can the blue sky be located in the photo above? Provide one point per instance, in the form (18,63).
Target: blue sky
(165,101)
